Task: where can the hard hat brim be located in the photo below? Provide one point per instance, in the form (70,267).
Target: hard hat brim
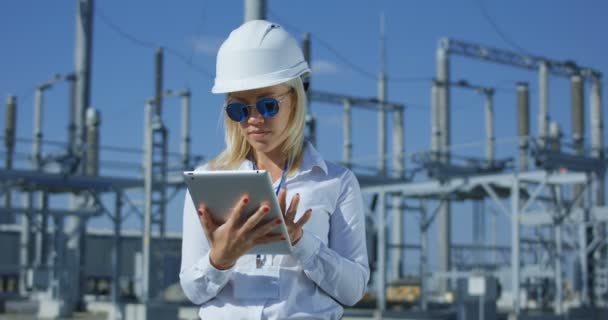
(233,85)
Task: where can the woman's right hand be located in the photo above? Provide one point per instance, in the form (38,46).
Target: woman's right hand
(232,239)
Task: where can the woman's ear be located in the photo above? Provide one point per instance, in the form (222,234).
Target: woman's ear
(294,105)
(305,81)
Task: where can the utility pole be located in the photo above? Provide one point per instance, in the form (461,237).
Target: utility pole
(310,118)
(397,235)
(543,98)
(158,82)
(73,286)
(155,177)
(148,210)
(600,256)
(443,109)
(10,124)
(185,132)
(523,124)
(435,127)
(489,113)
(347,147)
(72,137)
(37,134)
(116,312)
(578,112)
(35,261)
(382,93)
(66,296)
(255,10)
(92,155)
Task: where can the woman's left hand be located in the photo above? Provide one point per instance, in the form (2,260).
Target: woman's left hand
(294,228)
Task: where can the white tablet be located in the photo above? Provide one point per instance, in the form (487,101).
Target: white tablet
(221,190)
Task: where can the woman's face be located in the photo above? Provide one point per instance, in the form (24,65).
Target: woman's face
(266,134)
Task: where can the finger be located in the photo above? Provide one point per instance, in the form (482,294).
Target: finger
(235,215)
(207,220)
(255,218)
(265,228)
(290,215)
(269,238)
(304,218)
(282,199)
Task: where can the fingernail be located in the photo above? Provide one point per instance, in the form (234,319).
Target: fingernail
(200,212)
(266,209)
(283,238)
(278,221)
(246,200)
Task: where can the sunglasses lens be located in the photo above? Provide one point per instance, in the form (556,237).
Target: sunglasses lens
(267,107)
(237,112)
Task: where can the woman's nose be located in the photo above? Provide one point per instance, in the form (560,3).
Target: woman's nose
(254,116)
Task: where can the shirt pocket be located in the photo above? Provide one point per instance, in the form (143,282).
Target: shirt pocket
(256,283)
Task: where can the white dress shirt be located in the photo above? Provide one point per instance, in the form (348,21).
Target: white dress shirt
(328,267)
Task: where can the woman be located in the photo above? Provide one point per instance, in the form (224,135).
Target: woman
(260,69)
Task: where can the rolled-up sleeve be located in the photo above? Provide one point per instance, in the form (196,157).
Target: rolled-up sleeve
(340,268)
(200,280)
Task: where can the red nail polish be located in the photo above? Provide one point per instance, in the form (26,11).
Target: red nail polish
(278,221)
(266,209)
(200,212)
(283,238)
(246,200)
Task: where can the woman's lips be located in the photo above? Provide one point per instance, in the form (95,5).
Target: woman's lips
(258,134)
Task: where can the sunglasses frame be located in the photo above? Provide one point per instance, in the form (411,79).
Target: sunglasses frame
(278,98)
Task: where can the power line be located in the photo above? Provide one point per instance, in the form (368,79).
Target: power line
(344,60)
(26,95)
(197,32)
(123,33)
(326,45)
(192,65)
(199,28)
(353,66)
(410,80)
(500,33)
(150,45)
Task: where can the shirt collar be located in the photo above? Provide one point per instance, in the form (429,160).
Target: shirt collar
(312,158)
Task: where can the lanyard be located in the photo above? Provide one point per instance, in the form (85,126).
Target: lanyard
(282,175)
(259,262)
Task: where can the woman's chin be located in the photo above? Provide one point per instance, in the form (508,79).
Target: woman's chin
(261,145)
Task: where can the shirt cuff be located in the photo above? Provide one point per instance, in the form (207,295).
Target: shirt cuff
(218,278)
(307,247)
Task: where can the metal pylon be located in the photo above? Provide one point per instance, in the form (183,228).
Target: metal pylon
(159,174)
(155,197)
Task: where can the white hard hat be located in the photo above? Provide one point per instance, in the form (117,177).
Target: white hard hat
(257,54)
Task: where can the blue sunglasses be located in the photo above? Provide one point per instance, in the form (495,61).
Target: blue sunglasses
(268,107)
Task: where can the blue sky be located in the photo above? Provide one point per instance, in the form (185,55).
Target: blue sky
(38,41)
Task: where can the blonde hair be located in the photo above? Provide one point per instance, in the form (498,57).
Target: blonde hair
(238,149)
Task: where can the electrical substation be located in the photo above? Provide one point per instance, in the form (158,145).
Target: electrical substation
(549,196)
